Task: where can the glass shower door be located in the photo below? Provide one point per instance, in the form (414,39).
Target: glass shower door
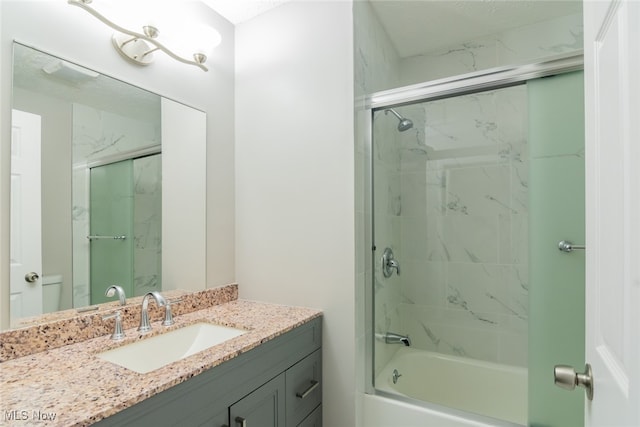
(450,199)
(111,228)
(473,194)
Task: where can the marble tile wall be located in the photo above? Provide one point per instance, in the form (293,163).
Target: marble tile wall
(387,231)
(376,62)
(147,224)
(520,45)
(463,226)
(375,68)
(97,134)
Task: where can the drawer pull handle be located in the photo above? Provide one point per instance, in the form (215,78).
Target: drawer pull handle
(241,422)
(313,386)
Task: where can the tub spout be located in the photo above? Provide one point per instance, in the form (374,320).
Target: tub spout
(393,338)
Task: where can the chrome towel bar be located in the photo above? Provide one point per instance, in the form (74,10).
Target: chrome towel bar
(107,237)
(567,246)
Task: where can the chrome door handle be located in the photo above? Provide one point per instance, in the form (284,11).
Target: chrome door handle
(566,377)
(567,246)
(31,277)
(241,422)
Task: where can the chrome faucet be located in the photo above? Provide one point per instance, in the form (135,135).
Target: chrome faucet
(145,325)
(393,338)
(115,289)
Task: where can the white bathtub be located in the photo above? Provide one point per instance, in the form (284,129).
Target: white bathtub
(487,389)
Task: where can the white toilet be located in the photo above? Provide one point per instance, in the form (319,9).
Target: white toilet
(51,291)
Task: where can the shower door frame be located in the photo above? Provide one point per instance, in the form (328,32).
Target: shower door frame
(490,79)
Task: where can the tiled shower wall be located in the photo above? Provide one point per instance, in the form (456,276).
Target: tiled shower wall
(376,68)
(463,207)
(98,134)
(387,192)
(520,45)
(147,224)
(455,295)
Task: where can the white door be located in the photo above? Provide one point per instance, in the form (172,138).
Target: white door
(612,79)
(26,252)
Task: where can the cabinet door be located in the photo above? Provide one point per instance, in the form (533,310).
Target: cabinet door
(304,388)
(264,407)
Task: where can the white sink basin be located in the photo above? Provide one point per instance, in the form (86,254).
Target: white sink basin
(155,352)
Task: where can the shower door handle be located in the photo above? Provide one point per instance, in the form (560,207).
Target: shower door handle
(566,377)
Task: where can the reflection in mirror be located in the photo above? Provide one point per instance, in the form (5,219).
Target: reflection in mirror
(86,186)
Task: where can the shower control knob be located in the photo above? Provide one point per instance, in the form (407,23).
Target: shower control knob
(566,377)
(389,263)
(31,277)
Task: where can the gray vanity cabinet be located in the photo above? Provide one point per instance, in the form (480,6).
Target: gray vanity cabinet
(262,407)
(277,384)
(287,400)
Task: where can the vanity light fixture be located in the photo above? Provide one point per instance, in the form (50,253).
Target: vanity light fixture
(139,47)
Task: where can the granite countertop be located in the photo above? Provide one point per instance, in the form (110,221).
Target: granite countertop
(70,386)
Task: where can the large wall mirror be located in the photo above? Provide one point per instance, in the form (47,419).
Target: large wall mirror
(101,171)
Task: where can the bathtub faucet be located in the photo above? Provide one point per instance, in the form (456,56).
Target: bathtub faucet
(393,338)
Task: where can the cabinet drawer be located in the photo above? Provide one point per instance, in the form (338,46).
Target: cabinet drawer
(314,419)
(303,387)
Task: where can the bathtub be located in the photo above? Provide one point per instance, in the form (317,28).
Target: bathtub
(493,391)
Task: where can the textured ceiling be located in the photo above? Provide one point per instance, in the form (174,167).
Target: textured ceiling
(101,92)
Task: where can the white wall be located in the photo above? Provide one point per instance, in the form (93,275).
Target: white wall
(295,176)
(73,34)
(182,129)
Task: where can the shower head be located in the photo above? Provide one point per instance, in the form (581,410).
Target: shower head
(405,124)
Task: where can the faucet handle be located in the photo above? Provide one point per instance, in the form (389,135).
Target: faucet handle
(168,315)
(118,333)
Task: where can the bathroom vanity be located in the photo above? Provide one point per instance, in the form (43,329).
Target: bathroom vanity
(276,384)
(270,375)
